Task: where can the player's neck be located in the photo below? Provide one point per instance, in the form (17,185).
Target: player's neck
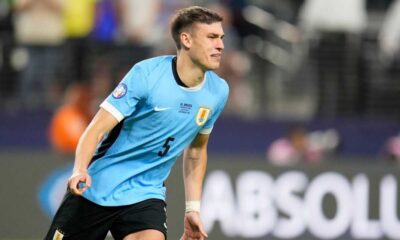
(190,73)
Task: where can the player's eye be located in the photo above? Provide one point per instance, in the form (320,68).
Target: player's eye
(213,36)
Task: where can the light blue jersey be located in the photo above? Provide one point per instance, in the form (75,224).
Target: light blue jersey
(158,120)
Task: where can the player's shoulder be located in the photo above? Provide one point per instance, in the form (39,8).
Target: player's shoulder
(149,64)
(217,82)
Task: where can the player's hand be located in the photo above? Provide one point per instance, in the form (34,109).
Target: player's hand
(79,182)
(193,227)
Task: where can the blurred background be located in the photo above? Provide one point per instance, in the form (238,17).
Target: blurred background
(308,146)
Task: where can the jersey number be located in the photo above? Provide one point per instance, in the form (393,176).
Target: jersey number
(166,146)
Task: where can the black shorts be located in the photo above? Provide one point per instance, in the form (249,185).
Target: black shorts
(80,219)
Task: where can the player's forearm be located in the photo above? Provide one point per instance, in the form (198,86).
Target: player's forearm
(194,168)
(85,149)
(102,123)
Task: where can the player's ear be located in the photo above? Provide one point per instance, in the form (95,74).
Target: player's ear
(186,40)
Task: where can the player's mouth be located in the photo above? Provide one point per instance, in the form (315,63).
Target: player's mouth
(216,56)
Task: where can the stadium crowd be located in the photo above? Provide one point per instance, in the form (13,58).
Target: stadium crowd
(296,59)
(284,60)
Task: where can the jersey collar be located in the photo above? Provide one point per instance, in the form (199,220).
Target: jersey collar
(180,83)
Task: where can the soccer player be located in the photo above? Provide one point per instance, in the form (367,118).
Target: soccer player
(164,106)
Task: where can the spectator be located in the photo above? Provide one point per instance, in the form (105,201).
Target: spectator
(289,150)
(334,16)
(389,35)
(139,21)
(102,38)
(336,25)
(301,146)
(40,30)
(105,23)
(79,16)
(167,8)
(392,149)
(7,72)
(70,119)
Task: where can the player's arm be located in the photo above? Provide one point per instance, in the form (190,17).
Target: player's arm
(102,123)
(194,168)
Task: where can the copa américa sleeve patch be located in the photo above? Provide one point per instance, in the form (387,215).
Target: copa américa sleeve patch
(120,91)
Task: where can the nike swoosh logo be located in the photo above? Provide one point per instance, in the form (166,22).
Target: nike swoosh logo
(158,109)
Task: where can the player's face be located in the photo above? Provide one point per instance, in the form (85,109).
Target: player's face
(207,45)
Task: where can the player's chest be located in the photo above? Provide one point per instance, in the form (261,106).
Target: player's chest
(180,107)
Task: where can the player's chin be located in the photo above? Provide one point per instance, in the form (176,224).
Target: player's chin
(214,65)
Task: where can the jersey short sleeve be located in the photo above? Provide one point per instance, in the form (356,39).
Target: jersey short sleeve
(208,126)
(123,100)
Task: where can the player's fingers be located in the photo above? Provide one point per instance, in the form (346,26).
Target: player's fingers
(88,181)
(73,186)
(199,236)
(202,231)
(74,191)
(198,229)
(82,185)
(191,235)
(83,188)
(189,238)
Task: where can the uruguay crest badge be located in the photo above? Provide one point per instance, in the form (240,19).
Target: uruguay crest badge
(202,116)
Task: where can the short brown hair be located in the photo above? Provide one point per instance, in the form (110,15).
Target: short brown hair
(186,17)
